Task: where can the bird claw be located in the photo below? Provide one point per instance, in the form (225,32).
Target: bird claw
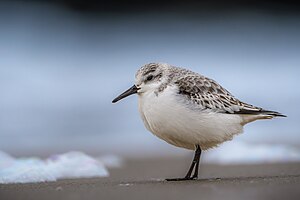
(182,179)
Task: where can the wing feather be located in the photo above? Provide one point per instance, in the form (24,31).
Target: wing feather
(208,94)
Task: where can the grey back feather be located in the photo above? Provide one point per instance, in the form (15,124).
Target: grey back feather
(208,94)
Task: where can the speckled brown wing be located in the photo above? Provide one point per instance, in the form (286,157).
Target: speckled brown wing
(208,94)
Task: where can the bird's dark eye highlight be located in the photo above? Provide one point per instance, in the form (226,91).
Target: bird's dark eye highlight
(150,77)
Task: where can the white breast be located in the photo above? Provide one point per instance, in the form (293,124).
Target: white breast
(176,123)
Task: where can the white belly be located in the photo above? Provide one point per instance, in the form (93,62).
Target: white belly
(181,126)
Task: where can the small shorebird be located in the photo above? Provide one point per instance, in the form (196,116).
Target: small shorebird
(189,110)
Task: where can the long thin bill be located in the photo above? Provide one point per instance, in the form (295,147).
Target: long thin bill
(130,91)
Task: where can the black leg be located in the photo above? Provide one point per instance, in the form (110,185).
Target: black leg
(198,152)
(195,164)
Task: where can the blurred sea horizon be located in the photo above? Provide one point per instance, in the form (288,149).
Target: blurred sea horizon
(60,69)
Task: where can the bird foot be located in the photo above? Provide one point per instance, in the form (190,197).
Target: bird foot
(182,179)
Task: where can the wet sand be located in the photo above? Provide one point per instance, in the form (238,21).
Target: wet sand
(144,179)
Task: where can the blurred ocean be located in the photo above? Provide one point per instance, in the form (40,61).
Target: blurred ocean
(59,71)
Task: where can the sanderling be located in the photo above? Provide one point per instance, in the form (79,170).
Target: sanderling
(189,110)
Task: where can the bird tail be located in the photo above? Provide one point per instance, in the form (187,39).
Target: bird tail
(262,114)
(271,113)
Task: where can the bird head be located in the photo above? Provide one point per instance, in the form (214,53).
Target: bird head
(148,78)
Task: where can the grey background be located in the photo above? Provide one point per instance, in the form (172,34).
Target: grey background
(62,64)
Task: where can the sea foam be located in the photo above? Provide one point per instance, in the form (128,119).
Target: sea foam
(68,165)
(237,152)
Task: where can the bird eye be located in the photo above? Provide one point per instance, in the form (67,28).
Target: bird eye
(150,77)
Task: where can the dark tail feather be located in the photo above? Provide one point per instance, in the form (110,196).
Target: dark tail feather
(273,113)
(261,111)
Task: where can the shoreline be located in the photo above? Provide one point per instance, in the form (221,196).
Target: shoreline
(144,179)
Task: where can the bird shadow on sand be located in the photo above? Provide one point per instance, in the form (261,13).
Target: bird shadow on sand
(249,179)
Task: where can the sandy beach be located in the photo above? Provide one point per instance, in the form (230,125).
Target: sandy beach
(144,179)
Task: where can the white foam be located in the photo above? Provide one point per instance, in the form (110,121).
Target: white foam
(111,161)
(68,165)
(236,152)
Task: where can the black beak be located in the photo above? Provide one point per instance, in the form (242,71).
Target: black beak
(128,92)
